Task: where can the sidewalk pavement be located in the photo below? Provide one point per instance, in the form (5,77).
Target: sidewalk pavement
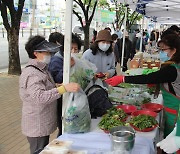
(12,141)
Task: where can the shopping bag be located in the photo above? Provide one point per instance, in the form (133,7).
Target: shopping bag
(77,118)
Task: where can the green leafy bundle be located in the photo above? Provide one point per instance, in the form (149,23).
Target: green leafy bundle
(113,118)
(80,76)
(143,121)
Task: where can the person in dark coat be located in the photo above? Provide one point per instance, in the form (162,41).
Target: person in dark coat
(128,51)
(55,66)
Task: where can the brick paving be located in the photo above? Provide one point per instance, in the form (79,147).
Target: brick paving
(12,141)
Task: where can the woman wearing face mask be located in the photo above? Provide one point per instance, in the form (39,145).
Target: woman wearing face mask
(100,53)
(39,93)
(168,77)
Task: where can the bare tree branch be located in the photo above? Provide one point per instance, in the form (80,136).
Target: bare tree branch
(20,10)
(80,2)
(88,5)
(3,9)
(10,5)
(82,5)
(132,22)
(85,2)
(76,2)
(79,17)
(94,8)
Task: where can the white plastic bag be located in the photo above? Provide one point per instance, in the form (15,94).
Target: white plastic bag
(82,72)
(77,118)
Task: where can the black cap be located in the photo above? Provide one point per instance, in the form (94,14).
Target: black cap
(46,46)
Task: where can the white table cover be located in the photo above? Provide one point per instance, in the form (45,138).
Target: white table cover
(100,143)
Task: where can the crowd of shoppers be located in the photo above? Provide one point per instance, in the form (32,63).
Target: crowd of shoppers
(41,82)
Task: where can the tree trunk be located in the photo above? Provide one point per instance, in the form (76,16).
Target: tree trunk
(14,60)
(86,37)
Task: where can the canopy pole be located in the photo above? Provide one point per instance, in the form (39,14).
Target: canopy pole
(67,53)
(141,42)
(123,45)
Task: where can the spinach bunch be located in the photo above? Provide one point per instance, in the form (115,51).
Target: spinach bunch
(113,118)
(109,122)
(143,121)
(117,113)
(80,76)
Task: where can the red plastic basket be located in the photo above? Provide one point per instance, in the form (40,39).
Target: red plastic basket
(144,130)
(153,107)
(144,112)
(127,108)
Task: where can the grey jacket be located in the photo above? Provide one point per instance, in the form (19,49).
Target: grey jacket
(103,62)
(39,95)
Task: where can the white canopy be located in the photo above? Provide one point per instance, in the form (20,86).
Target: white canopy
(163,11)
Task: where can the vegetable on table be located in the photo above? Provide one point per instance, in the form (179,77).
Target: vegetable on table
(143,121)
(113,118)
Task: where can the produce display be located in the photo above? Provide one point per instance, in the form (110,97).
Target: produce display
(116,113)
(125,85)
(151,90)
(146,100)
(108,122)
(130,94)
(135,96)
(143,121)
(113,118)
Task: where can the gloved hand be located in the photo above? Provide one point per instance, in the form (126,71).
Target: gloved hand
(114,81)
(171,143)
(70,87)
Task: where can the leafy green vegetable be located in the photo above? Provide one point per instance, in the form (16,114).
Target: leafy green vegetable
(146,100)
(151,90)
(125,85)
(117,112)
(80,76)
(112,119)
(143,121)
(108,122)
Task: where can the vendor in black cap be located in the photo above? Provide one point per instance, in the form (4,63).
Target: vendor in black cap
(39,93)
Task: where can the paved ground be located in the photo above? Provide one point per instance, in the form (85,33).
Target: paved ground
(11,139)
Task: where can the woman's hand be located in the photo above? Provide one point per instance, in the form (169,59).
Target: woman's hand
(72,87)
(107,74)
(72,61)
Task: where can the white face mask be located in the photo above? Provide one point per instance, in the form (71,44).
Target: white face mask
(46,59)
(103,46)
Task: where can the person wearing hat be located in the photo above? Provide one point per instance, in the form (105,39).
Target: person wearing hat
(101,54)
(128,51)
(39,93)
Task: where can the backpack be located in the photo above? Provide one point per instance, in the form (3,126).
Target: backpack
(98,100)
